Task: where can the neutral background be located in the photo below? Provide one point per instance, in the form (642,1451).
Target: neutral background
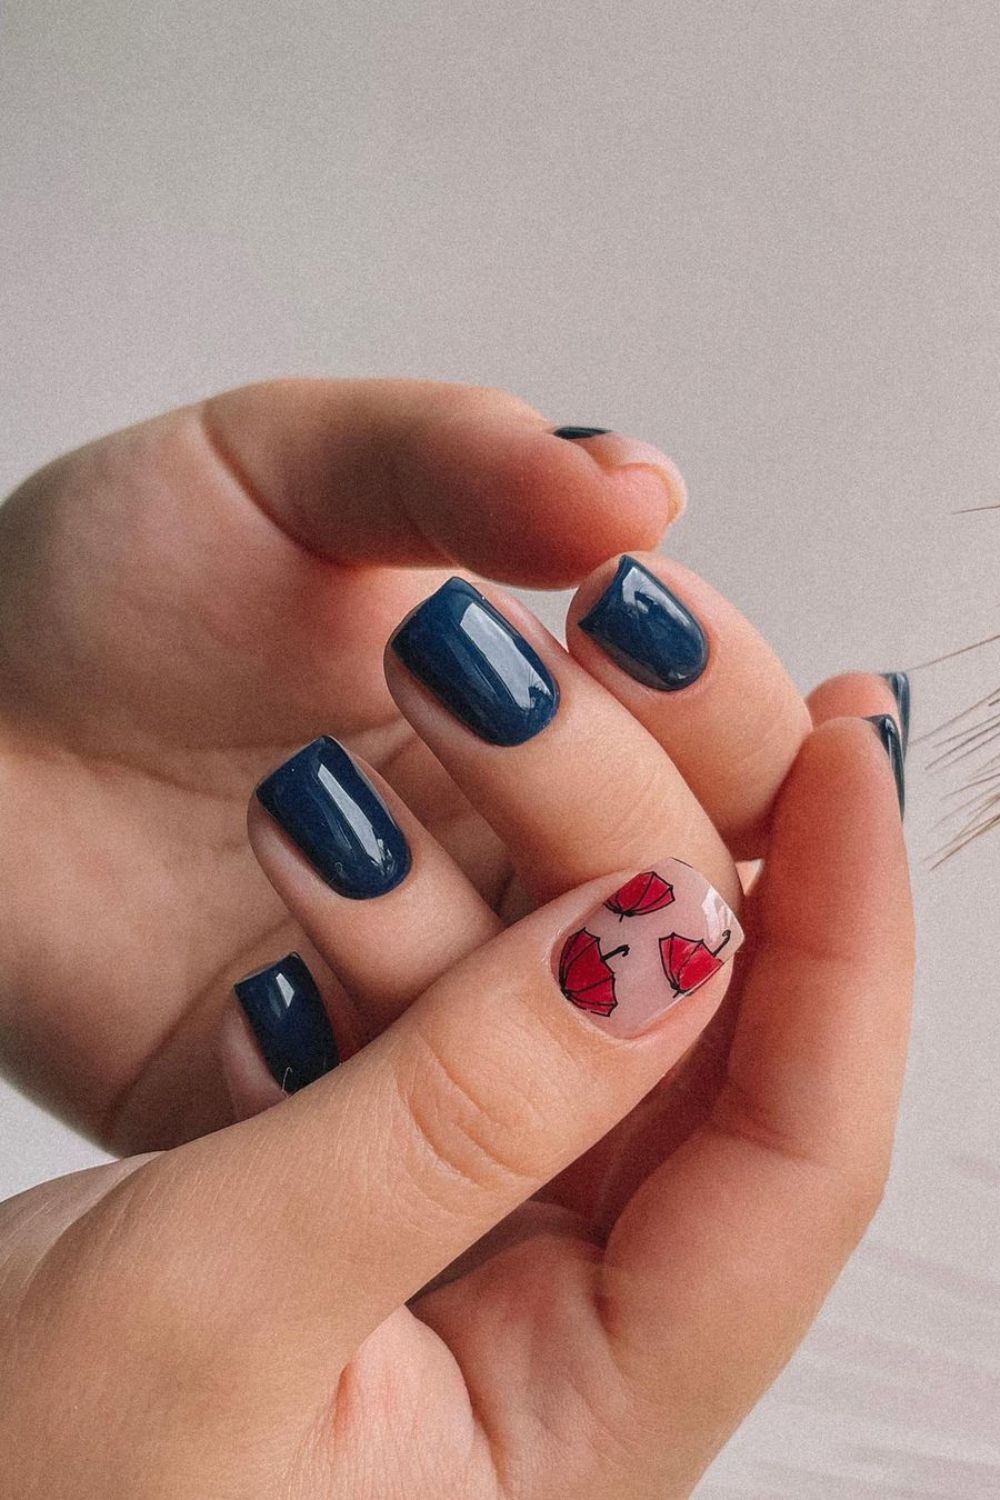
(763,235)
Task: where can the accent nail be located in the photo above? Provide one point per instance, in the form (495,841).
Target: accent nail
(574,433)
(659,937)
(330,809)
(887,730)
(289,1020)
(900,684)
(646,629)
(474,660)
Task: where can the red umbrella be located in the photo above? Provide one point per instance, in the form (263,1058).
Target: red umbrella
(584,974)
(688,962)
(645,892)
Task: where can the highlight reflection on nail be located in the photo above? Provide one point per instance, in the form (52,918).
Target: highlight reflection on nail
(659,937)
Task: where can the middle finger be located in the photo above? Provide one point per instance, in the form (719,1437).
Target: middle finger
(568,778)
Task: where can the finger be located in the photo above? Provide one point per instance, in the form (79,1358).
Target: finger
(385,907)
(864,694)
(569,780)
(700,679)
(770,1196)
(238,539)
(507,1068)
(431,473)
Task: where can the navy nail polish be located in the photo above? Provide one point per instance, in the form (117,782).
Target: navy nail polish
(289,1020)
(900,684)
(336,817)
(647,630)
(888,732)
(464,650)
(580,432)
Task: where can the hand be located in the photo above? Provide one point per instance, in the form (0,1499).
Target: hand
(183,603)
(244,1295)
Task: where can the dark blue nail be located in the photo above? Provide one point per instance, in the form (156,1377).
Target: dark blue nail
(647,630)
(464,650)
(290,1023)
(888,732)
(337,818)
(900,684)
(580,432)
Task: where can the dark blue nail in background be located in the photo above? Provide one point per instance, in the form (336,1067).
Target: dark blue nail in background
(888,732)
(900,684)
(647,630)
(464,650)
(580,432)
(338,820)
(288,1018)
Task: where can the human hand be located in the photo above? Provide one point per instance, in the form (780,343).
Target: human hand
(247,1291)
(186,601)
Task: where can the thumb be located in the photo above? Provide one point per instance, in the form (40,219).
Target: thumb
(355,1192)
(421,472)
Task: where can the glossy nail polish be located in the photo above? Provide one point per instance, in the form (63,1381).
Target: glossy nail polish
(887,730)
(580,432)
(289,1020)
(330,809)
(646,629)
(656,939)
(900,684)
(479,666)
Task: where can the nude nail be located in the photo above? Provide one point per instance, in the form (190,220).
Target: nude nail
(659,937)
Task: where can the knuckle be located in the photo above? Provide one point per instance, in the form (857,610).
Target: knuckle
(463,1127)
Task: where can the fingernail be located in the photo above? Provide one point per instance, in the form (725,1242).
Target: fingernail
(615,450)
(289,1020)
(900,684)
(888,732)
(661,936)
(471,658)
(574,433)
(647,630)
(330,809)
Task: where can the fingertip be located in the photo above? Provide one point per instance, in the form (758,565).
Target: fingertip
(533,509)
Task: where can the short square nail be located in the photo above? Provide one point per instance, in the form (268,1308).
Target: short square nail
(478,665)
(289,1020)
(900,684)
(330,809)
(887,730)
(655,940)
(647,631)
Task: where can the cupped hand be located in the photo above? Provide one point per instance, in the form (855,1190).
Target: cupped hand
(183,603)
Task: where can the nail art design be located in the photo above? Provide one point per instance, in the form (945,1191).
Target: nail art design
(887,730)
(330,809)
(688,962)
(580,432)
(585,975)
(645,892)
(479,666)
(646,629)
(680,934)
(289,1020)
(900,684)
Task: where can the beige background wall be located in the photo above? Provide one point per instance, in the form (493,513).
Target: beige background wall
(761,234)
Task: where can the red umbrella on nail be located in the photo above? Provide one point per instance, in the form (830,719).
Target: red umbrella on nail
(643,893)
(688,962)
(585,976)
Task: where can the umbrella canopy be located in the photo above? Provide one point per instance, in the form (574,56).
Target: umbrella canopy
(585,976)
(688,962)
(643,893)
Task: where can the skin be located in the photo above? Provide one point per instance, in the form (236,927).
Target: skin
(482,1333)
